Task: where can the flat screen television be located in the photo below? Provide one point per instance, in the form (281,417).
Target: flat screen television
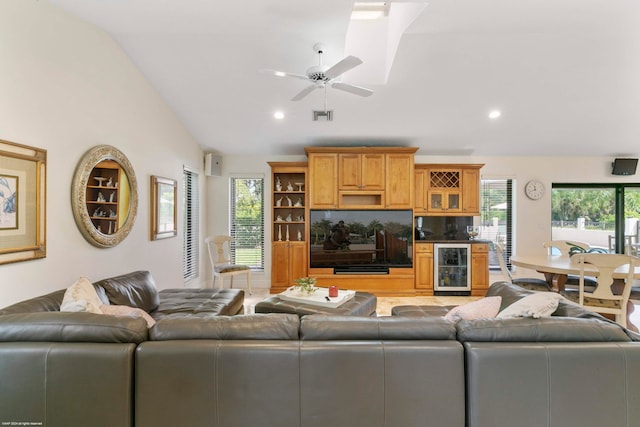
(624,166)
(361,241)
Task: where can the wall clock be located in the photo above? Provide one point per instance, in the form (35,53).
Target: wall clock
(534,189)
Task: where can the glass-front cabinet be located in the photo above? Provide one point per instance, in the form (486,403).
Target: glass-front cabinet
(444,200)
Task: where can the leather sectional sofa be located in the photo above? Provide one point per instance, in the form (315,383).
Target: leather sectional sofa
(191,368)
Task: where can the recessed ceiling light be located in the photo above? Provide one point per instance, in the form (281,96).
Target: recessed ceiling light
(494,114)
(278,115)
(280,73)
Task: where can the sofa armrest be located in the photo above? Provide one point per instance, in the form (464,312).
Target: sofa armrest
(48,302)
(72,327)
(546,329)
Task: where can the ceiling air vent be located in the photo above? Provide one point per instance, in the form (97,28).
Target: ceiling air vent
(325,116)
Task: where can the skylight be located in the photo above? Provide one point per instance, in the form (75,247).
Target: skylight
(369,10)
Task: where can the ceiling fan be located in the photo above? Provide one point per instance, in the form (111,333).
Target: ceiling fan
(322,76)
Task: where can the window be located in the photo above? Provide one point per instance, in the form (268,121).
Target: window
(496,216)
(247,221)
(190,226)
(604,215)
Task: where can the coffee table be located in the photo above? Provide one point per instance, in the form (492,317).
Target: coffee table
(362,304)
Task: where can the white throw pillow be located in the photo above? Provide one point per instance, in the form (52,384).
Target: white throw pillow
(539,304)
(81,296)
(485,308)
(125,310)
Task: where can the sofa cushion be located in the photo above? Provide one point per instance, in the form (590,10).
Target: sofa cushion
(125,310)
(317,327)
(81,296)
(136,289)
(72,327)
(509,292)
(536,305)
(275,326)
(547,329)
(189,302)
(485,308)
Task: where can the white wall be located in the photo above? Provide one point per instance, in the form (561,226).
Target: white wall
(532,218)
(66,86)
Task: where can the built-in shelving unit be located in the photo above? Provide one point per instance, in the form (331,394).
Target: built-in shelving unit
(289,230)
(103,196)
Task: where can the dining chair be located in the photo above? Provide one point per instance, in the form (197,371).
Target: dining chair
(567,248)
(532,283)
(602,299)
(219,248)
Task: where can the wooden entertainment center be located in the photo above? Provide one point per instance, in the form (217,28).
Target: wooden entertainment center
(366,178)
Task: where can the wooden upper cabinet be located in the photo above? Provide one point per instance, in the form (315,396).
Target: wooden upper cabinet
(444,189)
(361,171)
(323,180)
(399,181)
(361,177)
(471,193)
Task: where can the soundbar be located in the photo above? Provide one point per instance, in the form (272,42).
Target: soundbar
(361,270)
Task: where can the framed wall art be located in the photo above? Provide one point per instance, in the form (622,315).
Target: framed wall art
(164,193)
(22,202)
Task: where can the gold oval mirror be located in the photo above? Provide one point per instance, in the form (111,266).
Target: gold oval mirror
(104,196)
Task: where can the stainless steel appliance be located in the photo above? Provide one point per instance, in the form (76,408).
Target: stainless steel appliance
(452,267)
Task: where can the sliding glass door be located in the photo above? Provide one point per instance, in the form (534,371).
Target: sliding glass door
(603,215)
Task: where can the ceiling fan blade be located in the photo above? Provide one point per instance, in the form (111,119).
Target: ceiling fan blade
(304,92)
(357,90)
(343,66)
(283,74)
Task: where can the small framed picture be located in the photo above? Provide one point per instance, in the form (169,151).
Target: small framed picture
(164,193)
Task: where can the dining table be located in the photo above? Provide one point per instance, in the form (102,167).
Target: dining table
(556,269)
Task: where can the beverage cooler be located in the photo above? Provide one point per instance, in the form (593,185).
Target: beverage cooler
(452,267)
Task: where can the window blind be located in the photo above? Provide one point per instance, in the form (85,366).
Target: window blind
(496,210)
(191,226)
(247,221)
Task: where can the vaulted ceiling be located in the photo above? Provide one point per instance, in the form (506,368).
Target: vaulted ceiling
(565,74)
